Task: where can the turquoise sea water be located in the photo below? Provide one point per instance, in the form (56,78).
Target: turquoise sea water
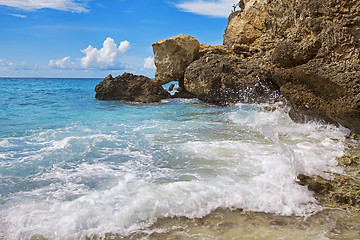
(72,166)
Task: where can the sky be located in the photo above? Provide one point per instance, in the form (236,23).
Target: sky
(92,38)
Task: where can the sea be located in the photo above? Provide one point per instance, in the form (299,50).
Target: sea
(73,167)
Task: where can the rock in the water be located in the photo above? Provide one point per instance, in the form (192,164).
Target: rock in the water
(311,49)
(172,56)
(318,65)
(223,79)
(343,191)
(130,87)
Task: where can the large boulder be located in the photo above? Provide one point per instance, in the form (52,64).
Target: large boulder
(130,87)
(311,50)
(223,79)
(315,58)
(172,56)
(320,91)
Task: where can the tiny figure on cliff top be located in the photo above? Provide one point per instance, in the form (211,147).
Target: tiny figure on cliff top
(234,6)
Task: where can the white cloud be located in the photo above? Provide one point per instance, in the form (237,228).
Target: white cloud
(63,5)
(149,63)
(6,65)
(18,15)
(213,8)
(108,57)
(61,63)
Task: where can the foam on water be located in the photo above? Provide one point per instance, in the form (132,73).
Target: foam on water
(139,163)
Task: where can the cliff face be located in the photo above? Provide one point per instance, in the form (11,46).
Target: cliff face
(307,49)
(310,49)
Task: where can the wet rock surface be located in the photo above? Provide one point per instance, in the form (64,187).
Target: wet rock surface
(237,224)
(222,79)
(310,49)
(130,87)
(343,191)
(314,56)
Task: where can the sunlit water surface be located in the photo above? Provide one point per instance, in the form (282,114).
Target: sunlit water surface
(72,166)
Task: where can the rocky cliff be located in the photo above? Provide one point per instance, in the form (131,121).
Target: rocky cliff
(314,56)
(306,50)
(309,50)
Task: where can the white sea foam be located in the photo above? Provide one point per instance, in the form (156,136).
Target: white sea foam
(5,143)
(121,181)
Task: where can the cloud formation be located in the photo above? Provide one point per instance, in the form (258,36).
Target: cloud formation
(213,8)
(63,5)
(6,65)
(149,63)
(108,57)
(61,63)
(18,15)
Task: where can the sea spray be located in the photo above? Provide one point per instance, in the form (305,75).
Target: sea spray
(118,168)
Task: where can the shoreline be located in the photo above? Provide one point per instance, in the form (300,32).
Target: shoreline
(340,218)
(237,224)
(344,190)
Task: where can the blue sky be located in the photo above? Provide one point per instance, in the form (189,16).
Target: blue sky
(92,38)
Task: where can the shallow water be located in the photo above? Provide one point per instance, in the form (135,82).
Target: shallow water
(72,166)
(235,224)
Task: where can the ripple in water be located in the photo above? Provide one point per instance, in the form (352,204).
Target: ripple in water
(120,168)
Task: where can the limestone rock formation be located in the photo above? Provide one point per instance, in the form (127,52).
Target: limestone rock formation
(246,26)
(172,56)
(224,79)
(129,87)
(219,49)
(316,57)
(310,49)
(343,191)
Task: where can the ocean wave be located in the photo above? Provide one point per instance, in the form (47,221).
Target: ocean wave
(119,177)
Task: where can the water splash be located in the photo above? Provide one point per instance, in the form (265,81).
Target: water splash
(123,167)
